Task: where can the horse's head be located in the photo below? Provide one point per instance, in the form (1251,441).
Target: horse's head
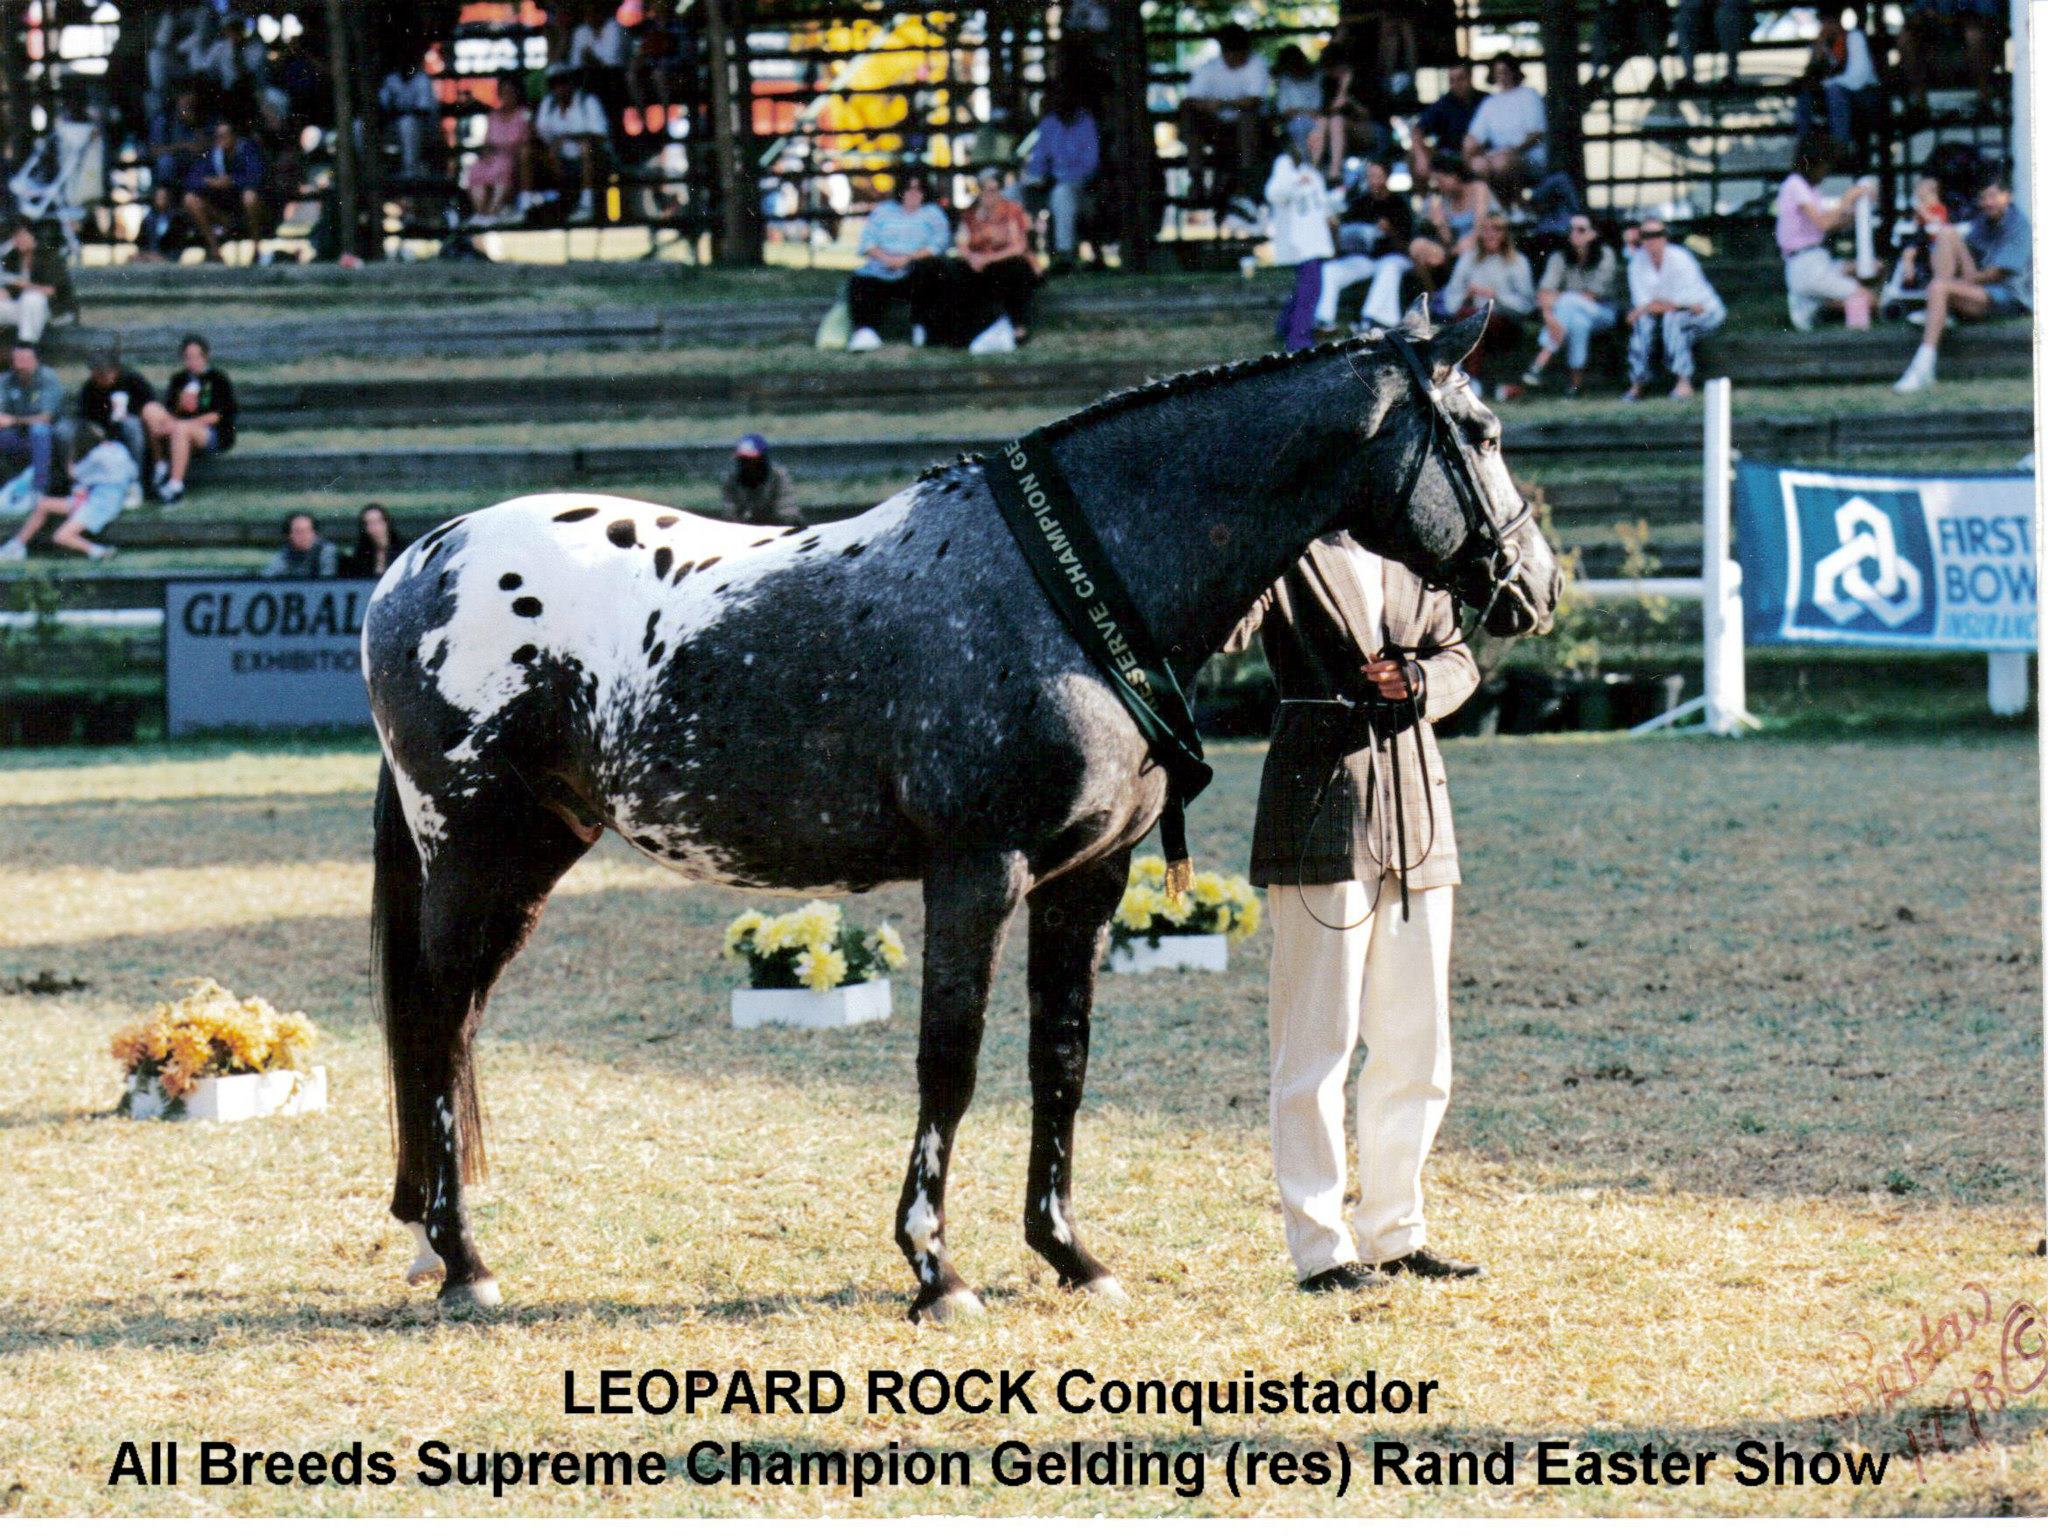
(1456,519)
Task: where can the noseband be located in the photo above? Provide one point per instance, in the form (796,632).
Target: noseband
(1441,439)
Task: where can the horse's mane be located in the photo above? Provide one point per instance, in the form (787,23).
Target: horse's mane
(1173,387)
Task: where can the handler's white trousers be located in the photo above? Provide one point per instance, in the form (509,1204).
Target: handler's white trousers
(1383,983)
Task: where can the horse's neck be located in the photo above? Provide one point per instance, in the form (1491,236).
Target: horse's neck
(1206,500)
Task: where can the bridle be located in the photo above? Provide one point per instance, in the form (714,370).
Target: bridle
(1442,440)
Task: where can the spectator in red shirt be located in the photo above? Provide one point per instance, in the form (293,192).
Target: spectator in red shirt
(997,275)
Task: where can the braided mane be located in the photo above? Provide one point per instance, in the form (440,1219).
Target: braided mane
(1174,386)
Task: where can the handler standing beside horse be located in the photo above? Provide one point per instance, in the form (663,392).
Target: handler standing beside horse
(1353,837)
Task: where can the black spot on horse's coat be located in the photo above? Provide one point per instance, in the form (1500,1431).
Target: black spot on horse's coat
(650,844)
(865,613)
(510,581)
(524,654)
(446,577)
(759,542)
(723,586)
(526,607)
(575,514)
(706,565)
(647,634)
(851,550)
(810,544)
(666,520)
(789,533)
(944,545)
(664,557)
(654,656)
(908,535)
(622,533)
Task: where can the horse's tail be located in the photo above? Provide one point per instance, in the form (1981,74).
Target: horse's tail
(414,1032)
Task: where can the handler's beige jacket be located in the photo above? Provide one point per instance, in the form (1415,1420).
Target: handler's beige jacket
(1312,626)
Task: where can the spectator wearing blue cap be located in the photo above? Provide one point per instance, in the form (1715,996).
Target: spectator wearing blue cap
(758,490)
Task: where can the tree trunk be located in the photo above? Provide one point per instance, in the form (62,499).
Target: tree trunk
(1134,183)
(1563,94)
(348,208)
(732,237)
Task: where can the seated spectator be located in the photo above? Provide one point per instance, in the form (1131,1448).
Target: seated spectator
(575,139)
(1298,99)
(104,477)
(1439,129)
(413,110)
(1731,22)
(1373,234)
(1064,159)
(1222,122)
(1458,200)
(1812,276)
(1354,118)
(996,275)
(305,555)
(226,184)
(1915,234)
(1983,273)
(196,416)
(1983,25)
(900,246)
(1841,78)
(113,402)
(1625,29)
(378,543)
(1505,143)
(1492,276)
(185,30)
(758,490)
(34,282)
(503,168)
(603,49)
(1669,300)
(1298,211)
(31,398)
(165,233)
(178,137)
(1553,203)
(1579,296)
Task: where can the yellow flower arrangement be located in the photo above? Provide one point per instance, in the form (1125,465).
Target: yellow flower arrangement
(813,946)
(211,1033)
(1214,903)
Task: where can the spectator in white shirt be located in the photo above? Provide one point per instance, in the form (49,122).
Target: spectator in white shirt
(1505,145)
(1669,299)
(574,138)
(1222,116)
(409,104)
(603,50)
(1841,78)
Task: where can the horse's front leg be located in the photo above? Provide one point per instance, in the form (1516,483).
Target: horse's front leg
(1069,921)
(968,900)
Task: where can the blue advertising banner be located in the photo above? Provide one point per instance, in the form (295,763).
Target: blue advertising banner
(1940,562)
(260,654)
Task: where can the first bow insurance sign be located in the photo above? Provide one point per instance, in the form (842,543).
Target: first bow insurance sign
(1941,562)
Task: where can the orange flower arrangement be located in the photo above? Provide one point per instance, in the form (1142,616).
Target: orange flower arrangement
(211,1033)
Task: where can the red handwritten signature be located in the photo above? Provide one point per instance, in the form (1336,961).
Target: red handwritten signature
(1876,1385)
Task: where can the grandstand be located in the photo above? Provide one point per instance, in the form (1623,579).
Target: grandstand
(570,359)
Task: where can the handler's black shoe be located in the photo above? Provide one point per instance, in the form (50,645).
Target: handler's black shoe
(1343,1277)
(1425,1265)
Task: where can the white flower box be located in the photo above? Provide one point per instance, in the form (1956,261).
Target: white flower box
(863,1003)
(239,1096)
(1173,952)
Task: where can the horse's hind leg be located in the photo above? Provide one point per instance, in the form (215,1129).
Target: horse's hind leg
(1069,920)
(478,898)
(967,903)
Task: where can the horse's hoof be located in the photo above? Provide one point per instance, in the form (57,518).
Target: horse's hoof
(471,1296)
(426,1264)
(948,1307)
(1106,1288)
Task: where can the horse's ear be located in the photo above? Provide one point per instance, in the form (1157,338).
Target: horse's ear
(1454,343)
(1416,321)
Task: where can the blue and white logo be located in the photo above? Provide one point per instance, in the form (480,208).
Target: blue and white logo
(1942,562)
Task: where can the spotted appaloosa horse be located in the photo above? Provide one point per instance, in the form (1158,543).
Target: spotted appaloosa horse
(882,699)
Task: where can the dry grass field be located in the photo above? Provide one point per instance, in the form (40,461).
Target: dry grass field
(1749,1092)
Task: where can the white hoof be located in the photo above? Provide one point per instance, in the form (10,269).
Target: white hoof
(953,1307)
(426,1264)
(1108,1289)
(478,1295)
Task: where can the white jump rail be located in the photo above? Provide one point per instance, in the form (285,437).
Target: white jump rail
(91,618)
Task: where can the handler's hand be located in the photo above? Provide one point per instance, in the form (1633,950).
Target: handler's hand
(1390,677)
